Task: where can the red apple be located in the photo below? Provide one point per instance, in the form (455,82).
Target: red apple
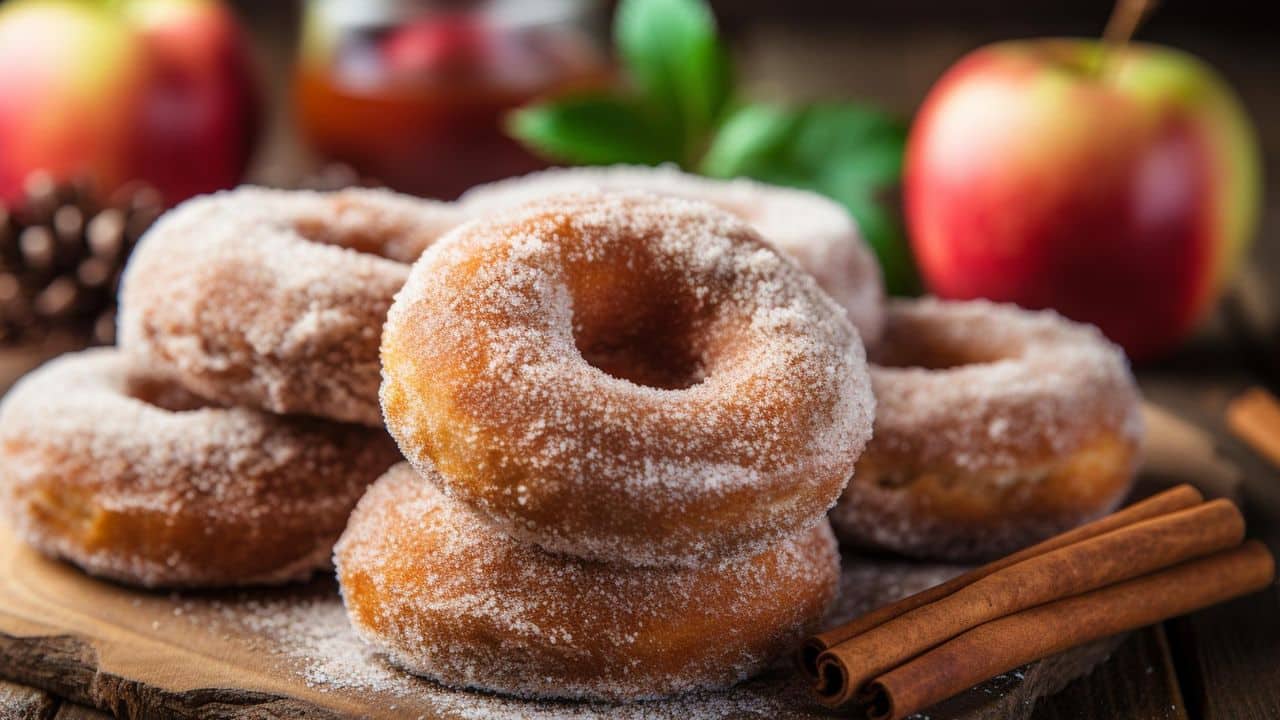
(152,90)
(1120,189)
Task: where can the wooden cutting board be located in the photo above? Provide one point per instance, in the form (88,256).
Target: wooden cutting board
(289,652)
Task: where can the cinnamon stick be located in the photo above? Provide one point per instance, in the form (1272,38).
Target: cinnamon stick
(1255,418)
(1177,498)
(1122,554)
(1023,637)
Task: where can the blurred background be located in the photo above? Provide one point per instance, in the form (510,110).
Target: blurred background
(888,52)
(312,93)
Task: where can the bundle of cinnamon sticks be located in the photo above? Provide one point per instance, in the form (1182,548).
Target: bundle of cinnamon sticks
(1165,556)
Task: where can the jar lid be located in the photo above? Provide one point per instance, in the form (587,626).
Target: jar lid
(511,13)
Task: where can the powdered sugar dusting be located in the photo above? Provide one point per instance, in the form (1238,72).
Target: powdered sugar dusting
(985,393)
(303,634)
(93,470)
(484,379)
(814,231)
(1027,381)
(307,637)
(276,299)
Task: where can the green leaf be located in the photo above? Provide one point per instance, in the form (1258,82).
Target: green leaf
(683,87)
(593,130)
(672,53)
(880,223)
(836,133)
(773,140)
(847,152)
(752,136)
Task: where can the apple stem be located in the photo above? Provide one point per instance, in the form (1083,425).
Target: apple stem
(1125,18)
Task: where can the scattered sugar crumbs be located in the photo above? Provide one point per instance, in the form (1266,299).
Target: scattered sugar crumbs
(306,628)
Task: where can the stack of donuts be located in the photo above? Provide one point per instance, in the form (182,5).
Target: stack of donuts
(228,438)
(628,399)
(625,417)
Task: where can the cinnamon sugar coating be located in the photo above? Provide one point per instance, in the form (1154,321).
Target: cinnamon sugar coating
(447,596)
(995,428)
(276,299)
(626,377)
(124,474)
(813,230)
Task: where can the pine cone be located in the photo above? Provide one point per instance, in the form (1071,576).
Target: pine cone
(61,254)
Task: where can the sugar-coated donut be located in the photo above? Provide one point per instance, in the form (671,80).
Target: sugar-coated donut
(428,581)
(816,232)
(626,377)
(117,470)
(995,428)
(276,299)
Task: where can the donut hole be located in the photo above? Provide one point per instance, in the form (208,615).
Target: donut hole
(653,346)
(635,325)
(355,237)
(164,395)
(917,350)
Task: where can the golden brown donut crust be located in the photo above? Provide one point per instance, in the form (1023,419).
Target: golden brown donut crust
(626,377)
(275,299)
(996,427)
(448,597)
(116,470)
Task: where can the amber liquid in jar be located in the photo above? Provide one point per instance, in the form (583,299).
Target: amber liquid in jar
(418,100)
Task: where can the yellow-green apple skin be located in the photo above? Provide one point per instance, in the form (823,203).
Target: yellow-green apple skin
(113,91)
(1121,189)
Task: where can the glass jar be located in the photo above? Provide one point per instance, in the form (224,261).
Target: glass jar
(414,93)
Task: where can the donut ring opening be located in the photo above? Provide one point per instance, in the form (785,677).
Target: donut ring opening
(351,229)
(636,324)
(151,389)
(927,352)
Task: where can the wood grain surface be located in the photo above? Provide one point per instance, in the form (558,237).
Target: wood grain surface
(19,702)
(1233,675)
(1138,683)
(71,711)
(1227,657)
(289,653)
